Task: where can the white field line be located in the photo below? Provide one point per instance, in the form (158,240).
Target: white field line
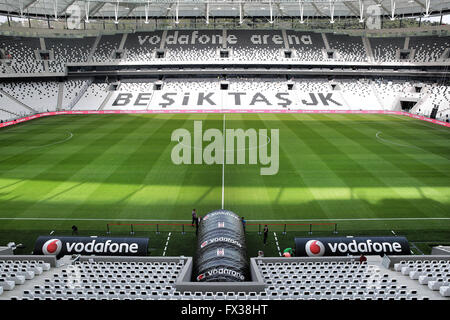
(223,163)
(394,143)
(422,123)
(167,244)
(45,145)
(166,220)
(276,241)
(57,142)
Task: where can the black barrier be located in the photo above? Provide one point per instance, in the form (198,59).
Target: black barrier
(342,246)
(100,246)
(221,251)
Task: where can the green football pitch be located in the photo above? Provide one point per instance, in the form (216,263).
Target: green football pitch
(369,174)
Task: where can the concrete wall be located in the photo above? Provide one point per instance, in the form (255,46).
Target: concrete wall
(133,259)
(6,251)
(307,259)
(389,261)
(184,282)
(440,250)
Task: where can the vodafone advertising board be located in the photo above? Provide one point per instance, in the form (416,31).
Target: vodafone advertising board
(343,246)
(99,246)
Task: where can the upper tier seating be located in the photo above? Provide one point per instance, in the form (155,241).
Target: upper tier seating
(105,48)
(141,46)
(428,49)
(68,50)
(308,46)
(385,49)
(349,48)
(20,52)
(201,45)
(249,48)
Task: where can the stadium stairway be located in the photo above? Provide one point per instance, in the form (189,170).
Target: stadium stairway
(17,101)
(80,94)
(107,98)
(10,112)
(368,49)
(60,96)
(325,41)
(44,48)
(94,48)
(377,95)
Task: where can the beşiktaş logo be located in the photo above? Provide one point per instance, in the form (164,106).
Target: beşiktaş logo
(220,239)
(220,271)
(315,248)
(224,147)
(52,247)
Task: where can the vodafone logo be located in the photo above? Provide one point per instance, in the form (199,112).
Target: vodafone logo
(314,248)
(90,245)
(220,239)
(220,271)
(341,246)
(201,277)
(52,247)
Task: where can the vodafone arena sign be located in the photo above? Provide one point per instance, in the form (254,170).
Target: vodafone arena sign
(99,246)
(343,246)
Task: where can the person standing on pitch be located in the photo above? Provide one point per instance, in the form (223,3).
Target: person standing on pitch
(197,223)
(265,234)
(194,217)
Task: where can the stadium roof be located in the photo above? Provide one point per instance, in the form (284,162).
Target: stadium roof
(121,9)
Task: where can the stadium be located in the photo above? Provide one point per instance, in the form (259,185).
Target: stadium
(224,150)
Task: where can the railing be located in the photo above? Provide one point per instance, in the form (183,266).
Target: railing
(252,227)
(47,27)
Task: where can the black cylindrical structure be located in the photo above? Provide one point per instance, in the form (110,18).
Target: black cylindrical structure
(221,250)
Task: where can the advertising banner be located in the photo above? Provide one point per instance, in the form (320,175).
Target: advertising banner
(99,246)
(186,110)
(343,246)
